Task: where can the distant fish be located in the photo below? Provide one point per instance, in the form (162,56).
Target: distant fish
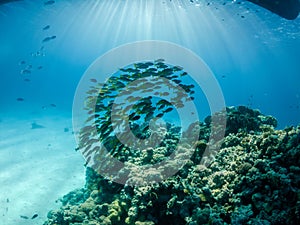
(34,216)
(159,60)
(93,80)
(52,105)
(40,67)
(66,129)
(24,217)
(22,62)
(51,2)
(25,71)
(20,99)
(164,94)
(168,110)
(26,80)
(183,74)
(177,68)
(46,27)
(34,125)
(47,39)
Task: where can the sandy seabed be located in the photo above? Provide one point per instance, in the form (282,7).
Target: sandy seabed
(37,166)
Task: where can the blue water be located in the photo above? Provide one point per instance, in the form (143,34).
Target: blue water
(253,53)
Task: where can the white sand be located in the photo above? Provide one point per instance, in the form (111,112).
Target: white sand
(37,166)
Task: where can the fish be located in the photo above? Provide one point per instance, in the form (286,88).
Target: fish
(24,217)
(152,69)
(159,60)
(141,66)
(168,110)
(22,62)
(183,74)
(40,67)
(168,71)
(149,64)
(52,105)
(93,80)
(164,94)
(25,71)
(34,216)
(160,115)
(34,125)
(47,39)
(46,27)
(119,85)
(145,85)
(177,81)
(50,2)
(163,102)
(177,68)
(161,107)
(125,78)
(20,99)
(162,65)
(137,117)
(66,129)
(149,116)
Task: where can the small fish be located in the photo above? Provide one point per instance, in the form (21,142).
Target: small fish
(160,115)
(25,71)
(93,80)
(136,117)
(151,70)
(177,81)
(22,62)
(168,110)
(183,74)
(40,67)
(24,217)
(53,105)
(163,102)
(162,65)
(34,125)
(141,65)
(164,94)
(50,2)
(46,27)
(47,39)
(159,60)
(20,99)
(34,216)
(7,200)
(66,129)
(168,71)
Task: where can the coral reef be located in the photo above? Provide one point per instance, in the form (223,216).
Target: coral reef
(254,179)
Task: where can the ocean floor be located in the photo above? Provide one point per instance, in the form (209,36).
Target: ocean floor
(37,166)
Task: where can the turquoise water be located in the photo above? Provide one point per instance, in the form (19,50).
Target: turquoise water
(254,58)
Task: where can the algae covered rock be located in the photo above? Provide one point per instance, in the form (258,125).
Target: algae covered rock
(254,179)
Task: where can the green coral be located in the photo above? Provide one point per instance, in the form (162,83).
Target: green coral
(254,179)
